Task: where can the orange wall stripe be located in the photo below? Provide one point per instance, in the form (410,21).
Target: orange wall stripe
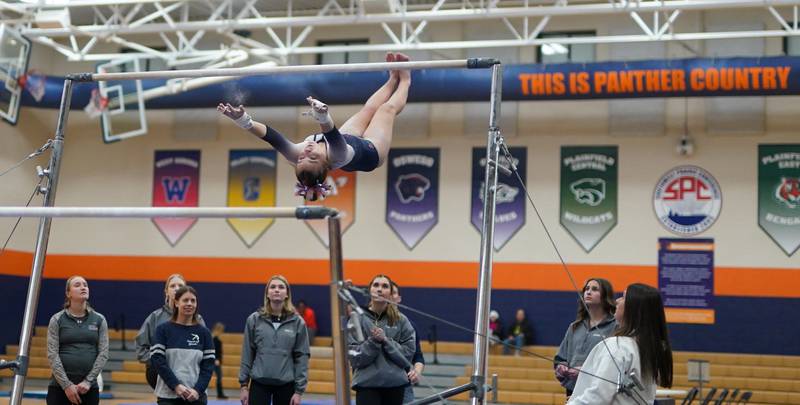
(754,282)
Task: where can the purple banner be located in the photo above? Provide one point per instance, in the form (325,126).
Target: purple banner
(509,215)
(686,279)
(412,193)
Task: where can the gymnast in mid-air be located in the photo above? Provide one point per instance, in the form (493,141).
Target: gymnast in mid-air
(360,144)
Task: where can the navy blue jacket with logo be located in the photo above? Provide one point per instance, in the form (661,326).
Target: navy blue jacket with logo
(182,354)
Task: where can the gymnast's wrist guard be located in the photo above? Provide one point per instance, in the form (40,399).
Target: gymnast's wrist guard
(244,122)
(322,118)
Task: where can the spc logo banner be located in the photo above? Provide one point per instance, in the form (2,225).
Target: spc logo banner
(687,200)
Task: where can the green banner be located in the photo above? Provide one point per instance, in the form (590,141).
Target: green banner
(588,192)
(779,194)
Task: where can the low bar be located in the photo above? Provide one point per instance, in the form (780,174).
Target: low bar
(472,63)
(302,212)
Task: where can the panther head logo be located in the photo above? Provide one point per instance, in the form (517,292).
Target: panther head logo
(589,191)
(411,187)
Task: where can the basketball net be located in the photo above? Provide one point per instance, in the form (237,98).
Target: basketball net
(33,83)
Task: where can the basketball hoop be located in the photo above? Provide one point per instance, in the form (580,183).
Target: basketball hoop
(97,104)
(33,83)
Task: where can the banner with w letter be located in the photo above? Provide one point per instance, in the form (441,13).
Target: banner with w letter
(176,183)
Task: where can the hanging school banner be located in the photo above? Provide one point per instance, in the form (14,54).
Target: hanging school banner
(687,200)
(509,215)
(655,78)
(412,193)
(779,194)
(588,192)
(251,183)
(176,183)
(686,279)
(342,197)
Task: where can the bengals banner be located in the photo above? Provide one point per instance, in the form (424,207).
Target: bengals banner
(588,192)
(412,193)
(509,215)
(176,183)
(779,194)
(342,197)
(251,183)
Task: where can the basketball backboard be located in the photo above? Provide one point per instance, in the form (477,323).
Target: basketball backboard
(14,54)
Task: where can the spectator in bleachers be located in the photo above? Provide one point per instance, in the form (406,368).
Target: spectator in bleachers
(381,361)
(216,332)
(77,348)
(275,351)
(147,332)
(183,353)
(311,320)
(640,348)
(496,333)
(595,322)
(519,334)
(418,360)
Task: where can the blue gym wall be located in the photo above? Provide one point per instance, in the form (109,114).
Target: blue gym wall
(743,324)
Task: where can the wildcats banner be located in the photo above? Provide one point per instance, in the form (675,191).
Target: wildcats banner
(779,194)
(176,183)
(659,78)
(342,197)
(510,212)
(686,279)
(251,183)
(412,193)
(588,192)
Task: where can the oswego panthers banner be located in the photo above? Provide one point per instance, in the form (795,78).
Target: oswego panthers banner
(251,183)
(588,192)
(176,183)
(510,212)
(412,193)
(342,197)
(779,194)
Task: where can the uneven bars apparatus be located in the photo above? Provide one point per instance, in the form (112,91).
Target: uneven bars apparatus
(341,372)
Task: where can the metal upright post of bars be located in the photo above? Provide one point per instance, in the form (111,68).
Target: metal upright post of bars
(341,370)
(35,282)
(481,348)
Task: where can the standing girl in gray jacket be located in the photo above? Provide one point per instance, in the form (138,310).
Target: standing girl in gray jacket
(77,348)
(381,362)
(275,350)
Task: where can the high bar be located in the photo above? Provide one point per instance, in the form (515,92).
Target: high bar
(301,212)
(472,63)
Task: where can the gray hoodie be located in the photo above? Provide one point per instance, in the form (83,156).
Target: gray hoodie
(275,356)
(147,333)
(382,365)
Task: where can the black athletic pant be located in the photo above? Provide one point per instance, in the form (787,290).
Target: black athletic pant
(380,396)
(262,394)
(220,391)
(57,396)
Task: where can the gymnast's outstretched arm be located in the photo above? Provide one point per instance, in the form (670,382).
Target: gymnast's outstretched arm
(288,149)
